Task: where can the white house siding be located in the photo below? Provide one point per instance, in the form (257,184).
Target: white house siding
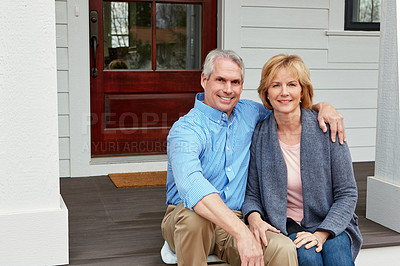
(343,65)
(62,86)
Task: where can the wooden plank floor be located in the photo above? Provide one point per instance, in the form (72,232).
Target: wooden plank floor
(110,226)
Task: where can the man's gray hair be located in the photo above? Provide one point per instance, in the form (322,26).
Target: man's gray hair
(208,66)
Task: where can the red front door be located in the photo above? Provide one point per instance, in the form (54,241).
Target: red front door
(146,59)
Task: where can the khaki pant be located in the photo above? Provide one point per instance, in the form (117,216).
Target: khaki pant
(193,238)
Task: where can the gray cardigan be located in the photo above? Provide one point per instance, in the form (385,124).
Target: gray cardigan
(329,187)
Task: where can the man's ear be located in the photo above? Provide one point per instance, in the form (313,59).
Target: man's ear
(203,80)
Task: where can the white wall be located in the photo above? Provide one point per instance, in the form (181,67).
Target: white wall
(33,216)
(343,65)
(344,71)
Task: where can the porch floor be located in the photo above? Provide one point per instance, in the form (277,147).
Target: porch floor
(111,226)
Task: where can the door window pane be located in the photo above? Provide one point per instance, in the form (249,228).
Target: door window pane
(127,35)
(178,36)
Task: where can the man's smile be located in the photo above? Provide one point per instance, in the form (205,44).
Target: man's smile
(225,98)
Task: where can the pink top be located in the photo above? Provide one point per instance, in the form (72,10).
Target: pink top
(291,154)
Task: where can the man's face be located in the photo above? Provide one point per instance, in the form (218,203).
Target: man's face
(222,90)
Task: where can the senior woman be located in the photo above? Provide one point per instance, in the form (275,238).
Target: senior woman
(300,182)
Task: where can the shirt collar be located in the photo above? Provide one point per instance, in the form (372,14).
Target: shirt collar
(210,112)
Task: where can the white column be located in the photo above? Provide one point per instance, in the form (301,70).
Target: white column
(383,190)
(33,216)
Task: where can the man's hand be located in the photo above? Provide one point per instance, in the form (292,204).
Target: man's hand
(328,114)
(250,250)
(259,227)
(212,208)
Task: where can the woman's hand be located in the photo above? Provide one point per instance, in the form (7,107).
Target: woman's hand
(258,227)
(317,239)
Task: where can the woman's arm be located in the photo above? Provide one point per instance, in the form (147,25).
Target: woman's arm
(252,200)
(344,190)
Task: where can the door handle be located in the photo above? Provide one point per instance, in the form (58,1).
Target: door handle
(94,39)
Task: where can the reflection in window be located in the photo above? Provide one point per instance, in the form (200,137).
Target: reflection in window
(127,35)
(178,36)
(366,10)
(119,25)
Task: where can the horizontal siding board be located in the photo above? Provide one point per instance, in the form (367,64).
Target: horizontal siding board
(342,99)
(344,79)
(250,95)
(287,3)
(64,148)
(61,12)
(256,58)
(352,65)
(285,18)
(252,79)
(63,103)
(359,118)
(363,154)
(64,168)
(62,81)
(61,36)
(62,58)
(350,49)
(63,126)
(284,38)
(361,137)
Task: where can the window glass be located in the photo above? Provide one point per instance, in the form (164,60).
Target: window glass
(362,15)
(178,36)
(366,10)
(127,35)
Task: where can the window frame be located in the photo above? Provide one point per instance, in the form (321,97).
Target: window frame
(349,24)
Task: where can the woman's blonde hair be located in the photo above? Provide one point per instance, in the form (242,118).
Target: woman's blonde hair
(294,64)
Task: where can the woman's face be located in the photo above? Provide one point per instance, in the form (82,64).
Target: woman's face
(284,93)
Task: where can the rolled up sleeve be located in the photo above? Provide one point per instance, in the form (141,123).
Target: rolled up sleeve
(185,147)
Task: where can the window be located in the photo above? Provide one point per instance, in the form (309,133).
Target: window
(362,15)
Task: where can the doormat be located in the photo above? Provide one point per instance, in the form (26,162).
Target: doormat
(140,179)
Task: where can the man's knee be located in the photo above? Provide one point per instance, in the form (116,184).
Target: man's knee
(280,250)
(281,243)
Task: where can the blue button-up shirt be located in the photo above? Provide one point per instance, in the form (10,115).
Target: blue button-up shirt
(209,153)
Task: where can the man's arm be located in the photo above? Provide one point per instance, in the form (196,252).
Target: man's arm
(328,114)
(212,208)
(198,194)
